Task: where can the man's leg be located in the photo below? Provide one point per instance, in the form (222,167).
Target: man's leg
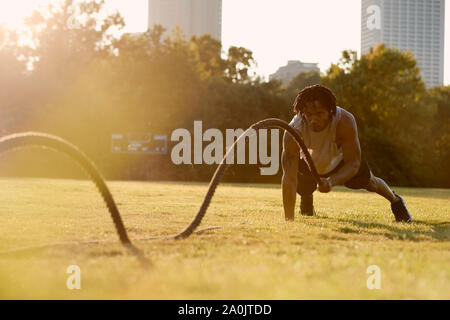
(398,204)
(379,186)
(365,179)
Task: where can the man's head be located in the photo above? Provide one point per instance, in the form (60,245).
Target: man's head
(317,104)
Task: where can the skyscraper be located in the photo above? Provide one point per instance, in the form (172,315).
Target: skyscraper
(415,25)
(195,17)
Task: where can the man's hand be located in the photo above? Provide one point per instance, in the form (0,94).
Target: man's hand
(325,185)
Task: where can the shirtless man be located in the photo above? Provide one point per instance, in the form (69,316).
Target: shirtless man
(331,135)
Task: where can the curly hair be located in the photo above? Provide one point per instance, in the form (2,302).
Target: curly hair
(313,93)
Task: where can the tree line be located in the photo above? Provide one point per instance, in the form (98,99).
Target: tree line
(86,83)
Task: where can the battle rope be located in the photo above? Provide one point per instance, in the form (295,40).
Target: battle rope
(218,174)
(58,144)
(30,139)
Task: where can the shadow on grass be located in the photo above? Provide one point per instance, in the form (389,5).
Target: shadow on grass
(431,193)
(408,192)
(440,230)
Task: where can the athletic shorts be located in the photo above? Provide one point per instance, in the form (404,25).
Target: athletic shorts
(306,184)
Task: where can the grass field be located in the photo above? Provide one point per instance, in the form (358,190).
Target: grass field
(256,255)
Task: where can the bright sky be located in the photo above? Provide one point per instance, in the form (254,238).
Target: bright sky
(275,30)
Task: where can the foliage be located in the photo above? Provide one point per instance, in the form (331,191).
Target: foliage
(302,80)
(89,82)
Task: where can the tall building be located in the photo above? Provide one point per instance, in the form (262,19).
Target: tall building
(195,17)
(294,67)
(415,25)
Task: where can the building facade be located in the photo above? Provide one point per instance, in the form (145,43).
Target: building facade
(195,17)
(294,67)
(414,25)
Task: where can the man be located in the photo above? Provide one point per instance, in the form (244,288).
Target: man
(331,136)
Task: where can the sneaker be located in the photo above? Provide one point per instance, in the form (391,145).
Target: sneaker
(306,206)
(400,210)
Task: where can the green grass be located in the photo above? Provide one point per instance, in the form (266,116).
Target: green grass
(256,255)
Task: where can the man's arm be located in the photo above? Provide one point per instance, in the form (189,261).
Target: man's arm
(348,136)
(289,160)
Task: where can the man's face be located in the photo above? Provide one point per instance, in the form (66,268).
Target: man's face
(317,115)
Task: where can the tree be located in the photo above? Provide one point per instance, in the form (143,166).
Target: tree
(13,89)
(384,91)
(378,87)
(440,97)
(300,81)
(206,55)
(65,38)
(239,61)
(66,45)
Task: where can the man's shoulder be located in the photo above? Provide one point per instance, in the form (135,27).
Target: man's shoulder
(347,118)
(295,122)
(346,124)
(346,115)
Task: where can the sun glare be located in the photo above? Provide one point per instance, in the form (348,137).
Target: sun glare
(12,13)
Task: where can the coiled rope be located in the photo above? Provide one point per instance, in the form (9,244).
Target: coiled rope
(48,141)
(35,139)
